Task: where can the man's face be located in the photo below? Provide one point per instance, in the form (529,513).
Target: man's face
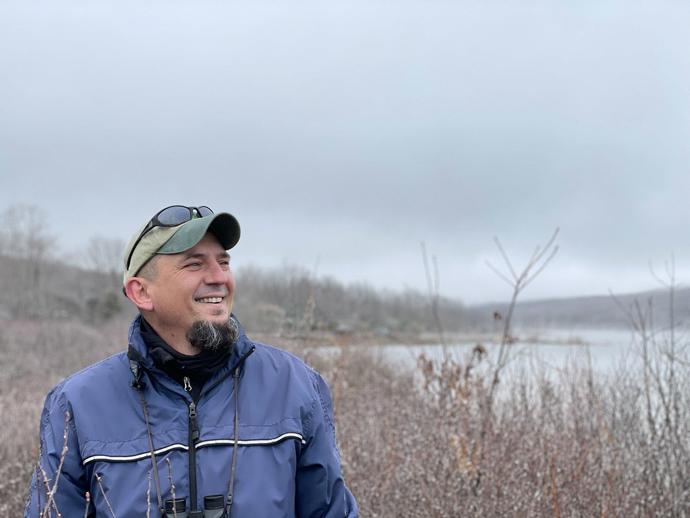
(191,286)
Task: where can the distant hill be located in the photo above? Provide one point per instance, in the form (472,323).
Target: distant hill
(593,311)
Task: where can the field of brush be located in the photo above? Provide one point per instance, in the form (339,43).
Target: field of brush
(433,439)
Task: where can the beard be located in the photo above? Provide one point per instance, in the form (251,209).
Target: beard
(212,336)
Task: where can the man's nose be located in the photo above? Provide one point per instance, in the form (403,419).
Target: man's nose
(216,274)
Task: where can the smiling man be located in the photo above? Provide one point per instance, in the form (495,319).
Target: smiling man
(195,419)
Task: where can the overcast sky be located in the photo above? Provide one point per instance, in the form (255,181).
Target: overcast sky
(345,133)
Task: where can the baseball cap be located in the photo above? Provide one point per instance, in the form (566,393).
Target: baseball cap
(176,239)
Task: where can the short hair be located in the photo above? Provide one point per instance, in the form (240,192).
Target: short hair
(150,269)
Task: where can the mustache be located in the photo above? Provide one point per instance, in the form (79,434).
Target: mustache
(209,290)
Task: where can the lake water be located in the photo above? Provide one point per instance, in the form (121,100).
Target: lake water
(603,349)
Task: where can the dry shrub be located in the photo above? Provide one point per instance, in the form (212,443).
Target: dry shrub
(422,443)
(562,443)
(36,355)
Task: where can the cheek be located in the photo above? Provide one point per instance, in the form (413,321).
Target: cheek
(231,283)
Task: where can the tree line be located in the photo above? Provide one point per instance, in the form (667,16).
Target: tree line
(38,282)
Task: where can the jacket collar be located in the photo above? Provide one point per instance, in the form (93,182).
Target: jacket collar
(139,352)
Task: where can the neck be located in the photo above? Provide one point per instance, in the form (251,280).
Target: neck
(175,338)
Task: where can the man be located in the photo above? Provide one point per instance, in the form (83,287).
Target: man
(195,419)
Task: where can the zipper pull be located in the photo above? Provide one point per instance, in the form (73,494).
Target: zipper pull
(187,384)
(193,425)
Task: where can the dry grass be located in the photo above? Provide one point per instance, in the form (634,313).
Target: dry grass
(566,443)
(561,444)
(36,355)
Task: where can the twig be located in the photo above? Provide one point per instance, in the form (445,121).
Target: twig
(525,277)
(433,285)
(46,508)
(499,273)
(172,486)
(541,268)
(540,258)
(148,496)
(505,258)
(63,454)
(105,497)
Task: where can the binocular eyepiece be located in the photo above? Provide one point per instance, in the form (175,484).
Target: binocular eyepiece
(214,507)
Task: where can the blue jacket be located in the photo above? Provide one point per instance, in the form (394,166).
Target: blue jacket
(287,462)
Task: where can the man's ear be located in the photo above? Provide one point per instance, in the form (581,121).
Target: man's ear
(137,291)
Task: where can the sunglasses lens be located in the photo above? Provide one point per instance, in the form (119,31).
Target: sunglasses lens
(204,211)
(174,215)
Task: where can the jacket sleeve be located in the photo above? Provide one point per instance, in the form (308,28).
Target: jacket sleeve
(58,443)
(320,488)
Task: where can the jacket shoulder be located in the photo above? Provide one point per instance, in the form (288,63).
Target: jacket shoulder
(111,370)
(282,360)
(283,383)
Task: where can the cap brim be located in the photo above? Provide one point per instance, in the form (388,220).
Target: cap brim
(223,226)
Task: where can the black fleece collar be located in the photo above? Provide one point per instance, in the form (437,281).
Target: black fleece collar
(198,368)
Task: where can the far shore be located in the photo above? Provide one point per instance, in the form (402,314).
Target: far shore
(556,337)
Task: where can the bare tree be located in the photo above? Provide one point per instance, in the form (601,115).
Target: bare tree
(105,255)
(24,232)
(24,236)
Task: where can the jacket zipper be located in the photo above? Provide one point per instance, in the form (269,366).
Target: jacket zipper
(194,431)
(193,438)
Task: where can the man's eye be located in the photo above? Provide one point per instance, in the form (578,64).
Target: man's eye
(193,265)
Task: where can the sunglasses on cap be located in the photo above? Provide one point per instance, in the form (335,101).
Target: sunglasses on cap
(170,217)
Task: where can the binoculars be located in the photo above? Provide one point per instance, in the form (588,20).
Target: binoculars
(214,507)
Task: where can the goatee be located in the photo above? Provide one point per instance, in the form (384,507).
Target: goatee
(212,336)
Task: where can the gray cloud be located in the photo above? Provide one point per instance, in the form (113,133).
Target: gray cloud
(349,133)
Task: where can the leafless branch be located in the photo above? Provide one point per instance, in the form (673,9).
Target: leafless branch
(544,264)
(148,495)
(505,258)
(498,272)
(433,282)
(45,512)
(63,454)
(99,481)
(172,486)
(540,258)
